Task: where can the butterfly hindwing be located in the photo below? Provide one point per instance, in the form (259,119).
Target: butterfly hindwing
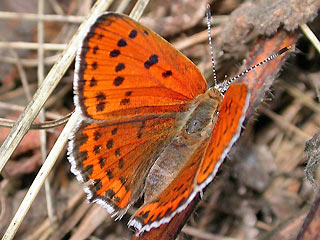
(113,159)
(173,199)
(225,132)
(206,160)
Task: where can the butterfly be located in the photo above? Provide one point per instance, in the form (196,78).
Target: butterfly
(150,126)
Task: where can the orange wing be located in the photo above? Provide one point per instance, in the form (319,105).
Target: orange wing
(202,166)
(225,132)
(130,85)
(125,69)
(113,159)
(173,199)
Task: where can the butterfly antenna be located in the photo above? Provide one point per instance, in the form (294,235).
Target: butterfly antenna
(208,15)
(223,86)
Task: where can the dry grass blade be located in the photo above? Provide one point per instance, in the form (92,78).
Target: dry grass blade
(138,9)
(311,36)
(43,134)
(36,17)
(29,45)
(39,180)
(307,101)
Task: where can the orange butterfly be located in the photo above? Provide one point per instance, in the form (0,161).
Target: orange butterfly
(149,125)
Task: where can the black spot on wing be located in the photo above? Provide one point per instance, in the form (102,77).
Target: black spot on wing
(109,173)
(153,59)
(102,162)
(133,34)
(100,106)
(94,65)
(167,74)
(97,135)
(120,67)
(121,163)
(93,82)
(118,81)
(122,43)
(128,93)
(124,101)
(97,184)
(95,49)
(101,96)
(114,131)
(115,53)
(110,193)
(109,144)
(97,149)
(143,125)
(117,152)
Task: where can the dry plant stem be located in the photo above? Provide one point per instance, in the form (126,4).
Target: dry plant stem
(33,46)
(43,136)
(36,17)
(196,38)
(123,5)
(40,178)
(302,97)
(311,224)
(22,74)
(138,9)
(204,235)
(285,124)
(39,126)
(16,92)
(13,107)
(317,87)
(90,222)
(42,231)
(45,230)
(311,36)
(56,7)
(71,221)
(47,86)
(30,62)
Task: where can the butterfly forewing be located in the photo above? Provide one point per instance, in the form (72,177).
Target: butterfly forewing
(125,69)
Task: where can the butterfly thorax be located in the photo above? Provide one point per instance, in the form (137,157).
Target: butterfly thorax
(196,129)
